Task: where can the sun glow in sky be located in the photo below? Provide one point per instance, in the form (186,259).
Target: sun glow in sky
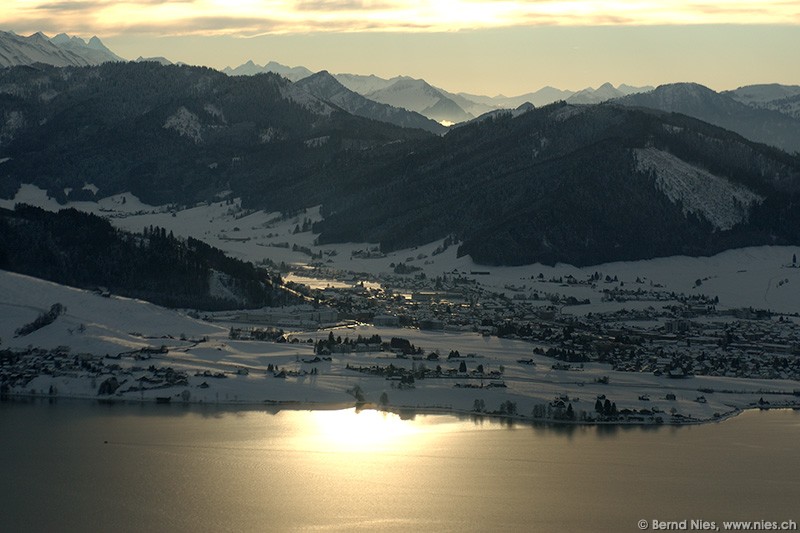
(478,46)
(254,17)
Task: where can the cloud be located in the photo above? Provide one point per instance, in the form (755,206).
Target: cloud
(89,5)
(754,13)
(203,25)
(70,6)
(252,17)
(344,5)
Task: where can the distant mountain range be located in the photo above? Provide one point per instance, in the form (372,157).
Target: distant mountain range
(159,60)
(420,97)
(250,69)
(582,184)
(747,111)
(61,50)
(544,96)
(403,92)
(782,98)
(326,87)
(437,104)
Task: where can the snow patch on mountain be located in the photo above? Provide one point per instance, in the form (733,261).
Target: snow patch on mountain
(186,123)
(271,134)
(221,285)
(723,203)
(215,112)
(48,95)
(317,142)
(10,122)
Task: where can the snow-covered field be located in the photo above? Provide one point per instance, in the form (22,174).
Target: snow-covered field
(96,325)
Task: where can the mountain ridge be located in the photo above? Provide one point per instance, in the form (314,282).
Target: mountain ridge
(173,133)
(541,185)
(696,100)
(325,86)
(61,50)
(556,175)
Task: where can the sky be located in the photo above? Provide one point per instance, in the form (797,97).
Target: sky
(486,47)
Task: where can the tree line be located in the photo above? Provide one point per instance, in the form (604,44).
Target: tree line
(83,250)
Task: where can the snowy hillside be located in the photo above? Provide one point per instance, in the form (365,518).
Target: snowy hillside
(781,98)
(750,277)
(91,323)
(718,200)
(757,95)
(186,123)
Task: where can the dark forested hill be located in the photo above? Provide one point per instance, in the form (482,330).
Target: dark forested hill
(583,185)
(83,250)
(172,133)
(578,184)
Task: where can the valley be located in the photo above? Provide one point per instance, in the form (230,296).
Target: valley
(589,256)
(666,341)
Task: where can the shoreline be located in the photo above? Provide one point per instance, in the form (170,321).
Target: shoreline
(403,411)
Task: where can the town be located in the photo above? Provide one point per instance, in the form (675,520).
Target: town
(552,349)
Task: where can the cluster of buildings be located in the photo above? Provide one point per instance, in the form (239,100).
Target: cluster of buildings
(665,332)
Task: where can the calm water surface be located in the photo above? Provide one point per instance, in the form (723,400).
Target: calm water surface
(86,467)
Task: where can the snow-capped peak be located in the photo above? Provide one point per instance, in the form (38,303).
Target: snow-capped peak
(61,51)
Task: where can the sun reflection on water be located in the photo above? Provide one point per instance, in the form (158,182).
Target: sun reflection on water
(351,431)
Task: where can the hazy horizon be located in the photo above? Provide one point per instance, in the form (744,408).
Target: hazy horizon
(475,46)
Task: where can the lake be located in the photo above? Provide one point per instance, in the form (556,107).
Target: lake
(80,466)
